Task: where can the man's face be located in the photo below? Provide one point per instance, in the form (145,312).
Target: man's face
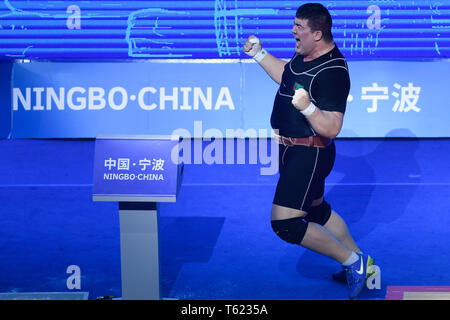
(305,40)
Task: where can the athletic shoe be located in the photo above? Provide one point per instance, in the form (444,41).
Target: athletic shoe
(357,275)
(340,276)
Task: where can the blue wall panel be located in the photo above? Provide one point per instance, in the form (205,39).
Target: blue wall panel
(401,29)
(5,98)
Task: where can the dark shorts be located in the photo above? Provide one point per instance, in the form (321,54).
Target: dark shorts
(302,175)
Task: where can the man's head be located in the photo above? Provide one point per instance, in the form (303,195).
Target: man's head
(312,25)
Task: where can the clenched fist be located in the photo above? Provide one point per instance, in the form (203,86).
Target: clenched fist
(252,46)
(301,99)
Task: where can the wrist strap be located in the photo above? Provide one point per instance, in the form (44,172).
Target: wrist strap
(309,110)
(260,55)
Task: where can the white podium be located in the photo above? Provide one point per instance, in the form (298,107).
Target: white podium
(138,172)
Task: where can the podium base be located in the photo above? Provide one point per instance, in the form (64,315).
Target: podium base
(139,248)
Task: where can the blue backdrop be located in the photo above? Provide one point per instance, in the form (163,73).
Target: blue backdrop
(182,69)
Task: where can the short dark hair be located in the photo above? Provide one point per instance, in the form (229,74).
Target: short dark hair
(319,19)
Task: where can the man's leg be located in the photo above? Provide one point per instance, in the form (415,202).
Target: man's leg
(316,237)
(291,226)
(321,213)
(338,228)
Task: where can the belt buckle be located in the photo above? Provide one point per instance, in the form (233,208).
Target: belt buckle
(289,142)
(284,141)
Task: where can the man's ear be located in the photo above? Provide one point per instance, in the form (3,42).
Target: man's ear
(317,35)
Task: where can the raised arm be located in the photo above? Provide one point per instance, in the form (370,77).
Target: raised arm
(273,66)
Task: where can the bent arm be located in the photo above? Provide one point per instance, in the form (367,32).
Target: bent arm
(331,96)
(326,123)
(273,66)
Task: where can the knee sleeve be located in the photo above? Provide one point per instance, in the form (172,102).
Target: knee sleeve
(290,230)
(319,214)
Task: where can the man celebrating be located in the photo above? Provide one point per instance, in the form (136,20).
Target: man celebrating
(308,113)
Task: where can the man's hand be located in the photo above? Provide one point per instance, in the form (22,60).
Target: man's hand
(252,46)
(301,99)
(272,65)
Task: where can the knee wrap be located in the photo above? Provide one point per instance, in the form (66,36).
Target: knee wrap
(290,230)
(319,214)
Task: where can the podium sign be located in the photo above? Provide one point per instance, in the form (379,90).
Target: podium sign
(136,168)
(138,172)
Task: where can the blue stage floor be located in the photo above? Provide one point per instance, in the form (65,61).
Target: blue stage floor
(216,241)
